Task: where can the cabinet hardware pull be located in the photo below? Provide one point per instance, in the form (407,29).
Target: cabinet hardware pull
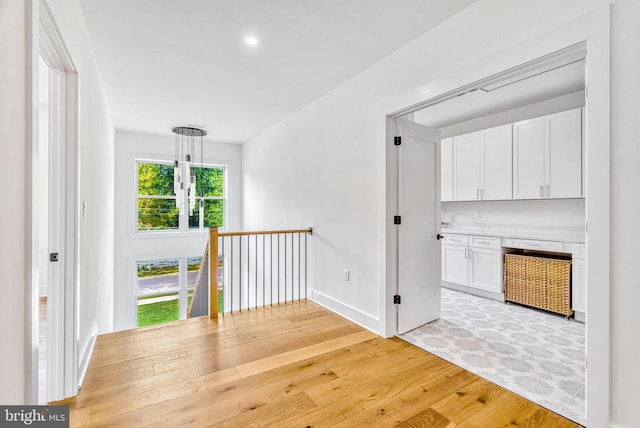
(541,191)
(548,190)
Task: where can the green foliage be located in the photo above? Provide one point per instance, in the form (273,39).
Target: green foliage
(213,214)
(156,313)
(161,312)
(209,180)
(156,179)
(165,270)
(157,214)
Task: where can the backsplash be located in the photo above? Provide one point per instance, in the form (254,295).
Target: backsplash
(553,213)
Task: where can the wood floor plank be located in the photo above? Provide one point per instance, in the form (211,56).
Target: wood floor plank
(265,364)
(290,365)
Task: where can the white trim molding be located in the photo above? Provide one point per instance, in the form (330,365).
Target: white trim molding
(352,314)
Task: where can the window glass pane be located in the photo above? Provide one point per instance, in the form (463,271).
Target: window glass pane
(209,181)
(193,265)
(155,179)
(154,213)
(213,214)
(156,310)
(158,277)
(158,285)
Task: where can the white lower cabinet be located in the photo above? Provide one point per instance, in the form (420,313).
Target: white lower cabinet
(454,264)
(484,269)
(472,261)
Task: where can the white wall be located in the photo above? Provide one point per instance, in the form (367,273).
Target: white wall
(625,205)
(132,246)
(96,143)
(13,219)
(322,166)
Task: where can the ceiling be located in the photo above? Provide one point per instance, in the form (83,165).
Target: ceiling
(185,62)
(566,77)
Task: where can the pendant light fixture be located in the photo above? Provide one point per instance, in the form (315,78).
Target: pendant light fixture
(184,176)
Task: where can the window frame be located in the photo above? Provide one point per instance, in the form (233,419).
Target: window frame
(183,220)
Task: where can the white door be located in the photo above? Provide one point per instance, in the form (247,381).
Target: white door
(419,207)
(466,167)
(496,162)
(528,159)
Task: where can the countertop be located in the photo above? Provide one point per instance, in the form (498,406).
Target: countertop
(546,233)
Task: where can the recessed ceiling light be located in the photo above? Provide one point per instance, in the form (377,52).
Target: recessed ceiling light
(251,41)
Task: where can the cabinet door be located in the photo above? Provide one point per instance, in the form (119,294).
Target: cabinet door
(446,169)
(578,285)
(454,264)
(528,159)
(563,146)
(496,152)
(484,269)
(466,167)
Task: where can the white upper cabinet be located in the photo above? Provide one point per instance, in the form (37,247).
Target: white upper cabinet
(563,142)
(466,167)
(528,159)
(482,165)
(495,165)
(446,169)
(547,156)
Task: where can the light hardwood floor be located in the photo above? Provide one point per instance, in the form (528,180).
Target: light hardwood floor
(294,365)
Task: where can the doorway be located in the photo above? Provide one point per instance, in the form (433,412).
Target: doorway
(55,216)
(591,28)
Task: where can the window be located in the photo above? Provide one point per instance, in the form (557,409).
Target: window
(156,202)
(165,288)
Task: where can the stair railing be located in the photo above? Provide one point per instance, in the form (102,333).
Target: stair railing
(252,269)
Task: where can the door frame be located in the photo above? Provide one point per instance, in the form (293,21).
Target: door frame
(592,31)
(62,347)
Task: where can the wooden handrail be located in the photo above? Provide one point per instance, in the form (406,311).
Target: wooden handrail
(213,258)
(267,232)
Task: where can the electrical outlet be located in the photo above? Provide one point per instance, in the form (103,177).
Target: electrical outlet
(346,274)
(479,214)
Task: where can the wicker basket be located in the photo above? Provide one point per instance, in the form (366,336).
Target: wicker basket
(541,282)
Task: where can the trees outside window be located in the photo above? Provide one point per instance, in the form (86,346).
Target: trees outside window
(156,203)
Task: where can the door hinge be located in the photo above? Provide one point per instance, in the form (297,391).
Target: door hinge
(396,299)
(53,257)
(397,219)
(397,141)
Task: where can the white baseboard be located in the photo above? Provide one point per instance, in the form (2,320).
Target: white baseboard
(85,354)
(352,314)
(475,291)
